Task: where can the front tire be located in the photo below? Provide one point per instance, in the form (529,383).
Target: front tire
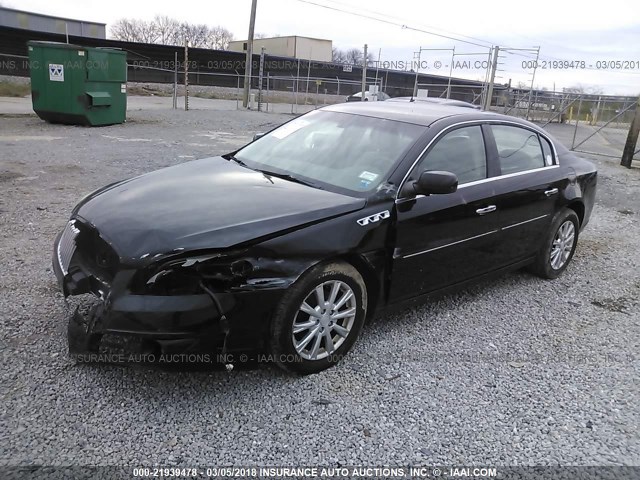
(559,246)
(319,318)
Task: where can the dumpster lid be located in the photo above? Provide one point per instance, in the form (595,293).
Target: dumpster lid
(71,46)
(44,43)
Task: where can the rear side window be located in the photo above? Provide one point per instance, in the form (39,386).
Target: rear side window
(519,149)
(546,151)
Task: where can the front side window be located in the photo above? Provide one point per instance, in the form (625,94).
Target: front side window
(333,149)
(460,151)
(519,149)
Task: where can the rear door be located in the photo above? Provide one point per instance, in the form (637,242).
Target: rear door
(527,189)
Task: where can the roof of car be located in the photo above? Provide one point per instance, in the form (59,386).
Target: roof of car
(419,113)
(441,101)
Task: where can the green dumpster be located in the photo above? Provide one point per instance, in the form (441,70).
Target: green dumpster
(78,85)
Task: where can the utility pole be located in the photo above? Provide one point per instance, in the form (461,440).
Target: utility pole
(632,139)
(364,74)
(260,78)
(415,83)
(494,67)
(249,59)
(533,77)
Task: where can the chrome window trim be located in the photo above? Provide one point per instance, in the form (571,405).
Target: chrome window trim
(508,175)
(484,180)
(479,122)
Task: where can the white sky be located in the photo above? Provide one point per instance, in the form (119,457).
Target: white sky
(567,30)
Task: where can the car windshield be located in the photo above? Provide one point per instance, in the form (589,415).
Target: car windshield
(330,149)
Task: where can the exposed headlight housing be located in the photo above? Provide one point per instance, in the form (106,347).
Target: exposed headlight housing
(184,276)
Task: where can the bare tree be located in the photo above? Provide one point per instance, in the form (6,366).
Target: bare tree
(370,59)
(353,56)
(197,35)
(581,89)
(132,30)
(168,31)
(219,38)
(148,31)
(260,35)
(125,30)
(338,56)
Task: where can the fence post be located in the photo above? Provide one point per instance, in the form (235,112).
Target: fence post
(632,138)
(293,90)
(364,74)
(306,93)
(260,79)
(175,81)
(186,75)
(297,85)
(575,130)
(238,91)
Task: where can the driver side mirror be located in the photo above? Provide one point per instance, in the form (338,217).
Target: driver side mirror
(435,182)
(256,136)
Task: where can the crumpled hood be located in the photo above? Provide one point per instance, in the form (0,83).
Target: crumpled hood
(202,204)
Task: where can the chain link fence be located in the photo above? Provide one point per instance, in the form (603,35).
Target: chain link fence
(599,124)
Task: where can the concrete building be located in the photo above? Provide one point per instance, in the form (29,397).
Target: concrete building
(12,18)
(304,48)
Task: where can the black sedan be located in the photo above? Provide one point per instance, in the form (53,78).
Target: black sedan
(287,245)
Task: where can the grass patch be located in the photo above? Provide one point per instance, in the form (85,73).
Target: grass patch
(209,95)
(10,89)
(145,91)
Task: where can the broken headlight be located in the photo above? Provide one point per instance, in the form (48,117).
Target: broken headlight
(185,276)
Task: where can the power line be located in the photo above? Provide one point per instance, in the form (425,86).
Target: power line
(489,43)
(408,27)
(389,22)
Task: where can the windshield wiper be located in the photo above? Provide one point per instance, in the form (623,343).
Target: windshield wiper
(237,160)
(288,176)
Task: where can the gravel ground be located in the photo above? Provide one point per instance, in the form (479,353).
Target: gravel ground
(517,372)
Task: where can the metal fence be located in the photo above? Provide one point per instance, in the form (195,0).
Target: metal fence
(598,124)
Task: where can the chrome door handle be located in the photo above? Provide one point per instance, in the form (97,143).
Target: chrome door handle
(484,211)
(553,191)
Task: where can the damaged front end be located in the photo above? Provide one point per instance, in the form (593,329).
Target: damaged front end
(166,304)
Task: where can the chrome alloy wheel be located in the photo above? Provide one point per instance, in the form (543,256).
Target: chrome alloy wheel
(324,320)
(562,245)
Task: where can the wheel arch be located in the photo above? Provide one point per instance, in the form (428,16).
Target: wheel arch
(578,207)
(371,279)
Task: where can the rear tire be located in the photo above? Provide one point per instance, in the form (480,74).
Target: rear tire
(559,245)
(319,318)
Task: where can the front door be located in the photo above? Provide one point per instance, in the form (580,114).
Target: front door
(442,240)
